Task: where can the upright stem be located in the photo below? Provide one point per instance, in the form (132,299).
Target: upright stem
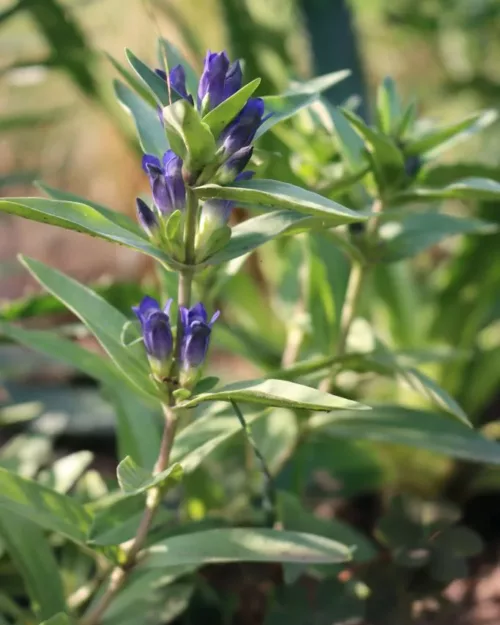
(120,573)
(351,302)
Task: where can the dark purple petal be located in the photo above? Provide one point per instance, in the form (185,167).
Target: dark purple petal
(245,175)
(233,80)
(146,217)
(158,336)
(178,82)
(147,306)
(197,313)
(161,73)
(151,163)
(239,160)
(196,345)
(241,131)
(212,80)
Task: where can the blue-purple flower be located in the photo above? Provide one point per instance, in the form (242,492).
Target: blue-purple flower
(157,334)
(165,178)
(147,218)
(240,133)
(220,80)
(196,330)
(177,80)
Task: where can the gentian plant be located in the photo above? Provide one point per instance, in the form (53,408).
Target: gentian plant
(198,136)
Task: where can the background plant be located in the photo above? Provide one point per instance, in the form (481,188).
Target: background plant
(308,266)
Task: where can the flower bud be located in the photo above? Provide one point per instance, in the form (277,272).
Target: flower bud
(157,335)
(165,178)
(147,218)
(195,338)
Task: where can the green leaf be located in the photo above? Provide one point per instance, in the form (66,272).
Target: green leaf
(134,480)
(295,517)
(257,231)
(274,194)
(387,158)
(104,321)
(350,144)
(188,134)
(459,540)
(156,85)
(415,428)
(151,133)
(318,84)
(132,81)
(417,232)
(219,117)
(52,345)
(480,189)
(138,427)
(81,218)
(275,393)
(58,619)
(457,131)
(43,506)
(388,106)
(34,560)
(169,57)
(245,545)
(116,217)
(283,107)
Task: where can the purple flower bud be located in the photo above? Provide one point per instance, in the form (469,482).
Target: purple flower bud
(146,217)
(165,178)
(177,80)
(215,214)
(195,335)
(212,81)
(241,131)
(235,165)
(157,334)
(233,81)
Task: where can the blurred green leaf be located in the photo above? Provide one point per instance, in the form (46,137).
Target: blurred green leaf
(245,545)
(467,189)
(151,133)
(43,506)
(388,106)
(132,81)
(274,194)
(458,131)
(415,428)
(169,57)
(417,232)
(318,84)
(58,619)
(134,479)
(283,107)
(350,144)
(275,393)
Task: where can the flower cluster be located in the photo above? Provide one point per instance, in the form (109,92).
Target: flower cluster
(159,341)
(219,81)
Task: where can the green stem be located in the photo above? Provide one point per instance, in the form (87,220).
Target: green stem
(120,573)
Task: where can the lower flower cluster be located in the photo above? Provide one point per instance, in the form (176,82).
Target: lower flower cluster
(193,333)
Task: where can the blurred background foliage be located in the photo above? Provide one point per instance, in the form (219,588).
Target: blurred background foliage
(59,124)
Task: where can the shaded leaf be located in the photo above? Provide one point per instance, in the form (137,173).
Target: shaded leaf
(134,479)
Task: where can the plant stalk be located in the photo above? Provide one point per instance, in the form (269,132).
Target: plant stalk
(120,573)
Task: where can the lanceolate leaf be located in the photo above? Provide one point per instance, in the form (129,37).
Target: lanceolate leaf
(415,428)
(417,232)
(245,545)
(134,479)
(35,562)
(58,619)
(283,107)
(118,218)
(274,194)
(43,506)
(481,189)
(82,218)
(350,144)
(156,85)
(219,117)
(133,81)
(104,321)
(276,393)
(151,133)
(319,83)
(257,231)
